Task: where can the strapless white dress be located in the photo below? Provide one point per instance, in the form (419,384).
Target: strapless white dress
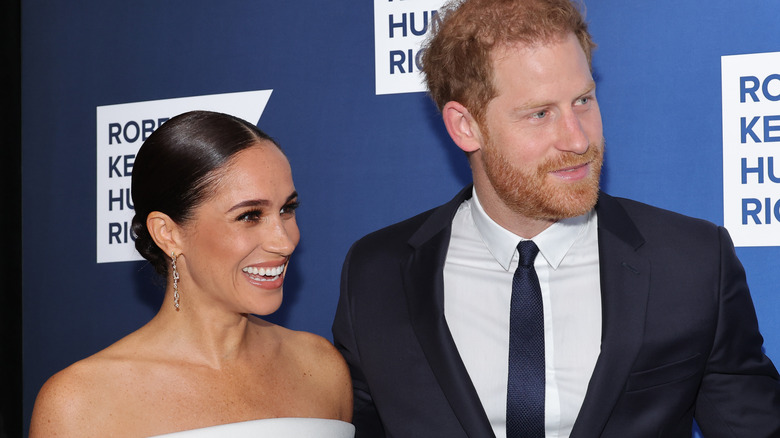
(273,428)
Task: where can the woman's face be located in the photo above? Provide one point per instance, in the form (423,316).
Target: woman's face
(236,247)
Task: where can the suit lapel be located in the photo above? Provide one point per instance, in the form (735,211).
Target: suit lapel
(424,286)
(625,282)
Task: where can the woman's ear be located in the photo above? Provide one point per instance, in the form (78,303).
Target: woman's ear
(461,126)
(165,232)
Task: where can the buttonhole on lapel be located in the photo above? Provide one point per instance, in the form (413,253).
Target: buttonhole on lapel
(630,268)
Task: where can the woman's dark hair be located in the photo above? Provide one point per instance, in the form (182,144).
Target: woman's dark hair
(175,169)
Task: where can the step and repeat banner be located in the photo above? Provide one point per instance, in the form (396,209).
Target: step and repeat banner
(689,93)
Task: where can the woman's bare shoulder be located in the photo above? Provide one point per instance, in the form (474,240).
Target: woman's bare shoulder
(320,349)
(308,347)
(67,401)
(73,401)
(323,367)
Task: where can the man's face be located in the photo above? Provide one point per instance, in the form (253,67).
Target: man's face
(542,140)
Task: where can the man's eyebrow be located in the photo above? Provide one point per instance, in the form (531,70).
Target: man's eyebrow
(589,87)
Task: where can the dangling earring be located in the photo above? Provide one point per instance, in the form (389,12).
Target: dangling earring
(175,281)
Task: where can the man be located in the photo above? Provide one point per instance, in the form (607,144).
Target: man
(619,320)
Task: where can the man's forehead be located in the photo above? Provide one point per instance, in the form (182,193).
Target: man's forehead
(509,48)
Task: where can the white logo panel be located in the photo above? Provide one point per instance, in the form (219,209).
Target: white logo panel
(751,148)
(400,28)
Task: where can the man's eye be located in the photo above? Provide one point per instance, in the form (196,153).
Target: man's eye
(539,115)
(582,100)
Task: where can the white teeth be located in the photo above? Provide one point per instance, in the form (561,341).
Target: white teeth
(270,272)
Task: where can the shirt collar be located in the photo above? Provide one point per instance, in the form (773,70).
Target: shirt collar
(553,243)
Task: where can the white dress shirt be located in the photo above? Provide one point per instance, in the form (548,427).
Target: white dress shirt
(478,271)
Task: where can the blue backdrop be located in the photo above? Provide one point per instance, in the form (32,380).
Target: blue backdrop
(360,161)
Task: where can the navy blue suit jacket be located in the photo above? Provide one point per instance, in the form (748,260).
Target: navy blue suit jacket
(680,337)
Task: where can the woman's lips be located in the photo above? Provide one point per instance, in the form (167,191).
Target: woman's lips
(266,275)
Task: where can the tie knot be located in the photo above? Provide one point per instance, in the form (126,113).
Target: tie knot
(528,251)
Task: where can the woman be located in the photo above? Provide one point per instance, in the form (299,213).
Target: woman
(215,214)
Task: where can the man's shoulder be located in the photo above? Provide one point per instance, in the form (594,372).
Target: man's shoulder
(396,235)
(419,227)
(651,220)
(638,209)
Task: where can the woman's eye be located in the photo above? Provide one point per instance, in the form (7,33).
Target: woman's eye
(251,216)
(289,209)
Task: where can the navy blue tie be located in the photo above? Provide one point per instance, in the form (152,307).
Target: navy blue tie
(525,387)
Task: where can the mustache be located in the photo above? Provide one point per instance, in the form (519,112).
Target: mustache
(594,154)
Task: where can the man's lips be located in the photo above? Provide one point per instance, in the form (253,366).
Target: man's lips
(573,173)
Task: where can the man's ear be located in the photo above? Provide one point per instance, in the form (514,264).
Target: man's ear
(165,232)
(461,126)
